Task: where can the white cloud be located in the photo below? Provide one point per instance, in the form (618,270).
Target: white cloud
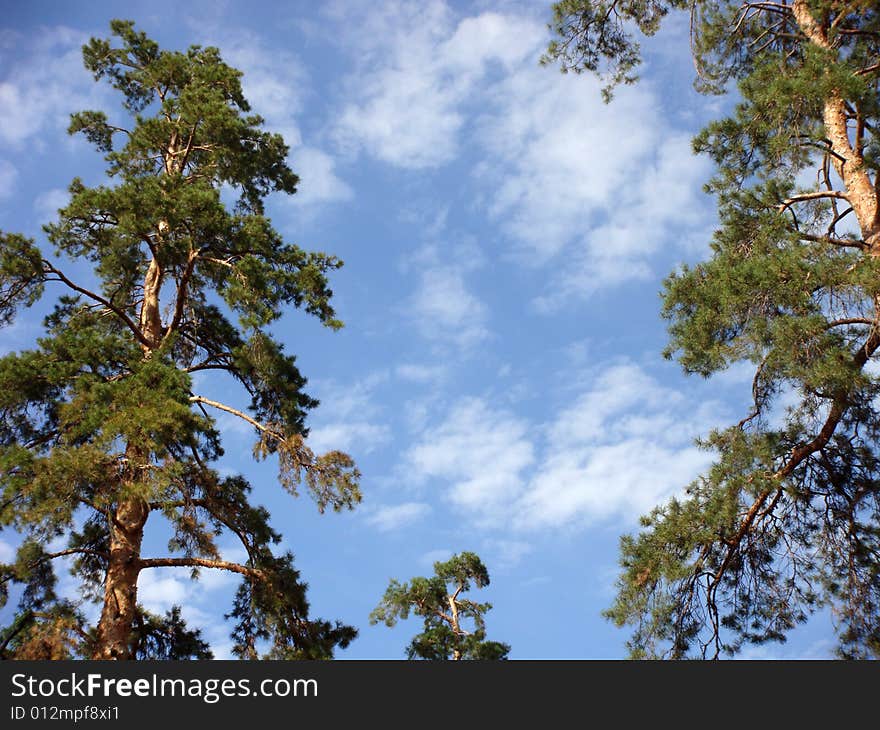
(407,121)
(563,174)
(318,180)
(623,445)
(490,38)
(440,555)
(444,308)
(45,81)
(480,454)
(7,552)
(393,517)
(418,411)
(161,588)
(47,204)
(348,417)
(401,114)
(737,375)
(602,185)
(344,436)
(417,373)
(8,177)
(504,554)
(421,69)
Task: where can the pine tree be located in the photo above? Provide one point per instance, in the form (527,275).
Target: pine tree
(101,427)
(788,519)
(446,614)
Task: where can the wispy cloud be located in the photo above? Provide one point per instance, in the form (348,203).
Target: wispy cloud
(561,173)
(393,517)
(8,176)
(349,418)
(502,554)
(161,588)
(344,436)
(47,204)
(420,373)
(7,552)
(436,555)
(602,185)
(423,68)
(478,453)
(622,445)
(319,182)
(443,306)
(44,82)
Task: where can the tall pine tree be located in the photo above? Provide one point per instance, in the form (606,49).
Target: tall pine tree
(788,518)
(101,427)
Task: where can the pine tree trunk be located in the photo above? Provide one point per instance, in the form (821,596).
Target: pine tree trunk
(151,321)
(127,528)
(120,585)
(848,159)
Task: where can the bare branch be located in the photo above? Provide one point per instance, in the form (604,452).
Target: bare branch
(842,242)
(235,412)
(851,320)
(76,551)
(145,563)
(803,197)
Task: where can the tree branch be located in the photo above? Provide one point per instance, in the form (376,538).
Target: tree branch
(213,508)
(235,412)
(803,197)
(842,242)
(49,268)
(850,320)
(798,454)
(180,302)
(76,551)
(145,563)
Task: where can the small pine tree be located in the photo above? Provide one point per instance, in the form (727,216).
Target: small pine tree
(446,614)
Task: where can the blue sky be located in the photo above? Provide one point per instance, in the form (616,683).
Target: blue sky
(499,380)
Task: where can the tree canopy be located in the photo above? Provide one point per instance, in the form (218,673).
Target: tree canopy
(787,521)
(454,627)
(102,427)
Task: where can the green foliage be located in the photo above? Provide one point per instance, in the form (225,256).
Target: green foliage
(597,36)
(275,610)
(21,282)
(101,414)
(168,638)
(787,520)
(438,601)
